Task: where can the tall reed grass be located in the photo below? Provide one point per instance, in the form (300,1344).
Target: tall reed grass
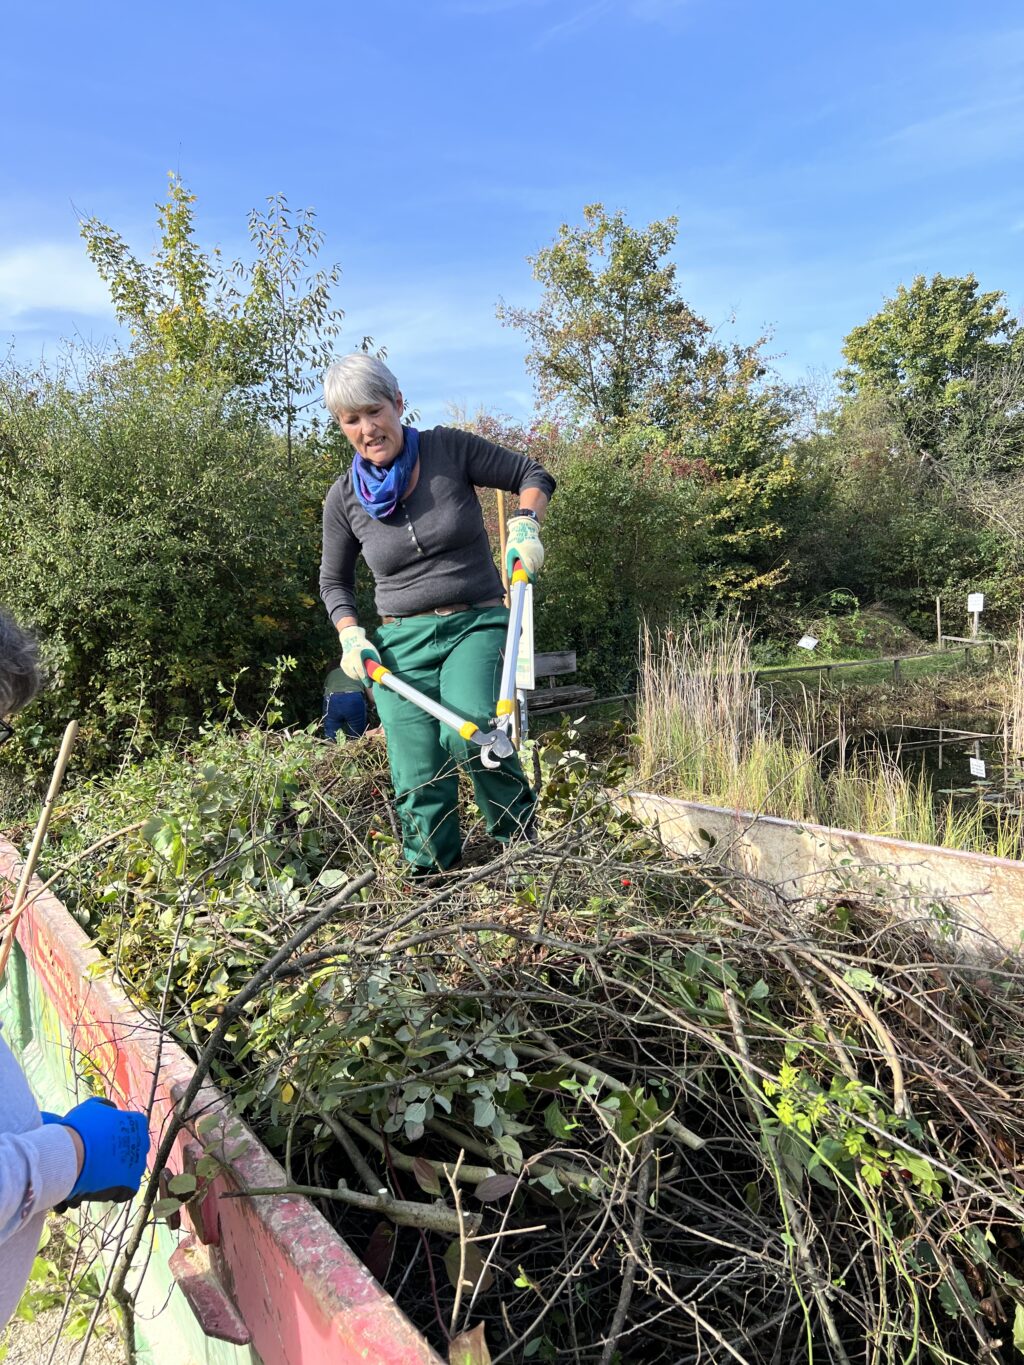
(707,732)
(705,729)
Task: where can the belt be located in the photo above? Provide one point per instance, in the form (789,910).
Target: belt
(444,611)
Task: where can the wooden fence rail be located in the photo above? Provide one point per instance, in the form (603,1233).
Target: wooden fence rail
(894,660)
(766,674)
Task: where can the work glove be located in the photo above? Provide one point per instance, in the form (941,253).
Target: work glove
(116,1142)
(523,543)
(354,646)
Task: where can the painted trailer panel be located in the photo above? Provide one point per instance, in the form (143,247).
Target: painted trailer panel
(270,1269)
(799,861)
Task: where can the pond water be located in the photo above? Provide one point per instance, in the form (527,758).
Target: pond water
(964,757)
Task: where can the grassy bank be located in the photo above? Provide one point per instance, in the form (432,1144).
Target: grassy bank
(707,731)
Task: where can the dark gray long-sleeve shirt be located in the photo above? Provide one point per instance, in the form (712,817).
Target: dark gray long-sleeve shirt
(433,550)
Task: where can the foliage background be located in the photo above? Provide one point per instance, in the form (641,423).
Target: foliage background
(161,503)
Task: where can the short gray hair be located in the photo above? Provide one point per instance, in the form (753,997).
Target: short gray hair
(357,381)
(20,673)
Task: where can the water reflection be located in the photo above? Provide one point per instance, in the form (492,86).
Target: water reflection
(962,757)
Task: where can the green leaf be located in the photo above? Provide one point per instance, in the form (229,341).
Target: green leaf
(425,1175)
(512,1151)
(474,1269)
(1018,1327)
(469,1348)
(556,1123)
(483,1112)
(182,1184)
(548,1181)
(818,1173)
(951,1303)
(77,1325)
(42,1269)
(861,980)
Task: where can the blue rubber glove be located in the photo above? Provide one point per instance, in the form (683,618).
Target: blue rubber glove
(116,1143)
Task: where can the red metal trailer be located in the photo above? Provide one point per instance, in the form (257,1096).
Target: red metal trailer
(263,1280)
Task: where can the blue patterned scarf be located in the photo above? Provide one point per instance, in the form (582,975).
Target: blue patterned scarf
(379,489)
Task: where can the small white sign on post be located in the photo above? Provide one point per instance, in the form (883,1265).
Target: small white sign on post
(525,678)
(977,767)
(807,642)
(975,606)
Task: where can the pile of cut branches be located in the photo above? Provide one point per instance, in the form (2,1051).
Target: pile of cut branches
(580,1102)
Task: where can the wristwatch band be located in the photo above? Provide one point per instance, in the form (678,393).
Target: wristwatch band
(526,512)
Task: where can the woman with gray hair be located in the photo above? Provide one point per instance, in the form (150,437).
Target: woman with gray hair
(409,505)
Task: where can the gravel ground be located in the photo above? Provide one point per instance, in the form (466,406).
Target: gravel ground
(30,1343)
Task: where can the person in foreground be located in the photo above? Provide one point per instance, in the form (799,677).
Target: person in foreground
(409,505)
(94,1151)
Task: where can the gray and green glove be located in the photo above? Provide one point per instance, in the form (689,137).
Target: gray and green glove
(524,544)
(354,647)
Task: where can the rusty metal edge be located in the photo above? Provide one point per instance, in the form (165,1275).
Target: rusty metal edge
(984,893)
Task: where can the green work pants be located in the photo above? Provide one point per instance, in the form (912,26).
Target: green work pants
(457,660)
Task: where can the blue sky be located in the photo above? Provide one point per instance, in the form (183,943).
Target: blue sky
(816,156)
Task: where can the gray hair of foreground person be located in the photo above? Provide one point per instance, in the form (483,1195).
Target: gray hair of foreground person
(358,381)
(20,675)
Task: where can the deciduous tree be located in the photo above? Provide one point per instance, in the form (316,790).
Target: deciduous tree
(926,348)
(264,328)
(611,328)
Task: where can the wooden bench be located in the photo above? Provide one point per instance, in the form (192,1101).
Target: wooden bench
(554,697)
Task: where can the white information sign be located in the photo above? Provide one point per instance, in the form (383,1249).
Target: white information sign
(524,660)
(975,601)
(807,642)
(977,767)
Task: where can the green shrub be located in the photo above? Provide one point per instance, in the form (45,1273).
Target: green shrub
(160,547)
(622,546)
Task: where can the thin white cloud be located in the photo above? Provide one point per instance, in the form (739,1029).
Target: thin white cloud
(574,16)
(658,11)
(489,7)
(443,341)
(427,325)
(983,130)
(48,277)
(571,22)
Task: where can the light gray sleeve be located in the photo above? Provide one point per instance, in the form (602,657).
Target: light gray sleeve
(38,1164)
(37,1170)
